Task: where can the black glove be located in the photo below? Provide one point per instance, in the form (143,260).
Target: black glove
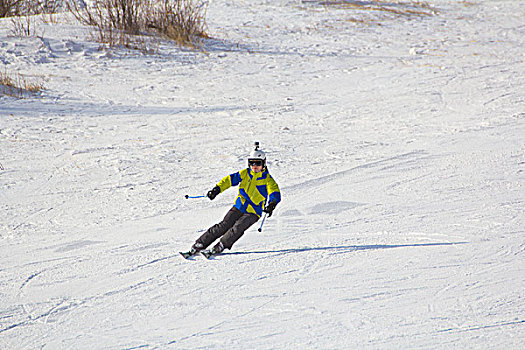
(270,208)
(214,192)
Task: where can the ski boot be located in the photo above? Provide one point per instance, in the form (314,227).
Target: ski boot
(194,250)
(217,249)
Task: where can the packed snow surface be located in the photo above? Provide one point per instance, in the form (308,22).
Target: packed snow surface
(397,139)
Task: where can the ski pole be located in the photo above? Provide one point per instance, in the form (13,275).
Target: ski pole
(262,223)
(192,197)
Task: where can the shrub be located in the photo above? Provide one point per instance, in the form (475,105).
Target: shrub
(182,21)
(117,20)
(9,8)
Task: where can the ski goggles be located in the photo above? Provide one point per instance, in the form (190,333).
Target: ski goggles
(252,162)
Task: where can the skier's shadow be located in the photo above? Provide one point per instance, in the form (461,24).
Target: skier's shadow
(344,248)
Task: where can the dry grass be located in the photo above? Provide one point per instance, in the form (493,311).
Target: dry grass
(402,8)
(466,3)
(22,14)
(17,86)
(397,8)
(24,26)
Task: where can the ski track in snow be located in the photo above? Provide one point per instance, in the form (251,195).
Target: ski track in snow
(396,141)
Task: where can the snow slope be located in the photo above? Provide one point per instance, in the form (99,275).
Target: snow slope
(397,142)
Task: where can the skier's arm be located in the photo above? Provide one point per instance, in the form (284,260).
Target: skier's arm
(230,180)
(274,194)
(273,198)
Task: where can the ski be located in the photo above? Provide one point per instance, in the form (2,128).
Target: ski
(187,255)
(207,254)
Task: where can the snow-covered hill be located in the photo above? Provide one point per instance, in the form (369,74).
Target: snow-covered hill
(397,141)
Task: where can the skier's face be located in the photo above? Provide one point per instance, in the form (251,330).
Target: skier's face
(256,165)
(256,168)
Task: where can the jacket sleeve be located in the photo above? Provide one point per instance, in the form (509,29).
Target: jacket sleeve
(274,194)
(230,180)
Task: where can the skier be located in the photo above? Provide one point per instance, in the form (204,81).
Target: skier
(258,193)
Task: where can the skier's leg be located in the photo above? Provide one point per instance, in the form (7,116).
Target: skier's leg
(238,229)
(219,229)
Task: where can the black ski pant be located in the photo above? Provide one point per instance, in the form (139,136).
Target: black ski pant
(230,229)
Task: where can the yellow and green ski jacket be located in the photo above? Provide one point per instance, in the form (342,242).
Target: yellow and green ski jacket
(255,189)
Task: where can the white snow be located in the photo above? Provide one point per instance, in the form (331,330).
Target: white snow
(397,141)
